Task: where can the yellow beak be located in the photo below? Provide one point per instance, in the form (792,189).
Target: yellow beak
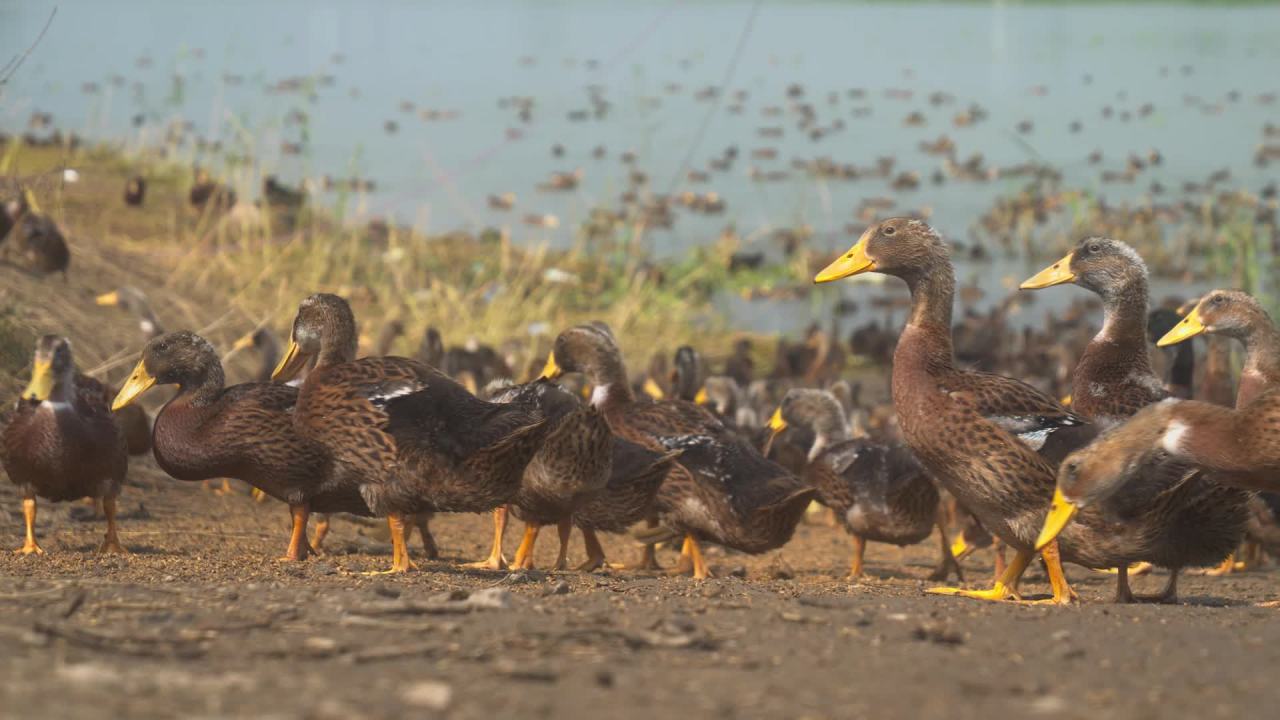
(652,390)
(551,370)
(112,298)
(1189,327)
(1060,513)
(30,197)
(961,549)
(139,382)
(851,263)
(243,343)
(1055,274)
(41,385)
(701,398)
(776,423)
(291,364)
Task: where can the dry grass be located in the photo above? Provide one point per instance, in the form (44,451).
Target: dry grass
(223,274)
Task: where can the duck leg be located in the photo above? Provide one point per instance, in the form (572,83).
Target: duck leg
(30,546)
(1124,595)
(700,569)
(422,522)
(495,561)
(649,556)
(1227,567)
(1168,595)
(322,530)
(998,545)
(1005,586)
(524,554)
(111,541)
(859,549)
(400,560)
(595,551)
(947,560)
(299,549)
(564,529)
(1062,592)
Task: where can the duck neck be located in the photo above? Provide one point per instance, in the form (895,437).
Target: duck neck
(337,349)
(1211,436)
(1124,320)
(609,383)
(202,389)
(1261,361)
(925,344)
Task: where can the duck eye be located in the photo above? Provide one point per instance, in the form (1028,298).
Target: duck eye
(1217,300)
(1093,247)
(888,230)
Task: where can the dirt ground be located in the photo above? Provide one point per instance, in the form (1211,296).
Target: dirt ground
(201,621)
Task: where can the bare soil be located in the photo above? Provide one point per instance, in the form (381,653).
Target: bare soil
(202,621)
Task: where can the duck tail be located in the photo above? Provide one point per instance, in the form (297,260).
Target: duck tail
(510,454)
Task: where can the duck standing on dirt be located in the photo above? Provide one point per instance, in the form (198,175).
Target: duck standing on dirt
(244,431)
(720,489)
(61,443)
(973,431)
(879,492)
(1238,315)
(1176,517)
(405,436)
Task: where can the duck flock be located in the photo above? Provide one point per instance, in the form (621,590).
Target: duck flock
(1126,472)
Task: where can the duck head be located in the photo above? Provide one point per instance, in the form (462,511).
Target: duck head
(592,350)
(1223,312)
(898,246)
(180,358)
(1105,266)
(324,330)
(1096,472)
(53,371)
(815,410)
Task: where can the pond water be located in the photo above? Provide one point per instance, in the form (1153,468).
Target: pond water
(326,76)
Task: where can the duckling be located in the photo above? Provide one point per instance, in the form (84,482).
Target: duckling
(402,434)
(879,492)
(133,300)
(135,191)
(720,489)
(61,443)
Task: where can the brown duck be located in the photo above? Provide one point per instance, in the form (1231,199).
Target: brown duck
(1181,516)
(720,490)
(61,443)
(972,431)
(208,430)
(879,492)
(406,436)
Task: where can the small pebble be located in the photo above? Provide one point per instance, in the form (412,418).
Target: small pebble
(428,694)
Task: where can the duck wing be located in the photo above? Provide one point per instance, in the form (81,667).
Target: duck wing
(1014,406)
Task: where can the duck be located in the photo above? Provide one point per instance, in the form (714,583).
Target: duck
(206,191)
(134,300)
(208,430)
(267,344)
(406,437)
(1236,315)
(60,442)
(687,374)
(1114,379)
(720,489)
(635,477)
(572,465)
(1237,446)
(135,191)
(978,433)
(37,238)
(879,492)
